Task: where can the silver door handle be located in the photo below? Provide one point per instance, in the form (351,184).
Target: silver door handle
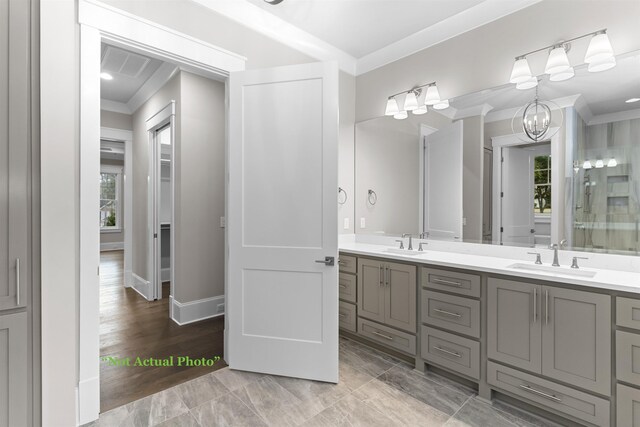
(535,305)
(382,335)
(17,281)
(540,393)
(447,282)
(328,261)
(448,313)
(452,353)
(546,306)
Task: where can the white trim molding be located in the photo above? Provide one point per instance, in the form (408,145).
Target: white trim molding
(142,286)
(111,246)
(614,117)
(188,312)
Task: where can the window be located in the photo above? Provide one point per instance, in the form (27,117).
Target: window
(110,204)
(542,185)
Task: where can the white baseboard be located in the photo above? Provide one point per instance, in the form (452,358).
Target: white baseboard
(194,311)
(128,279)
(89,408)
(142,286)
(165,274)
(112,246)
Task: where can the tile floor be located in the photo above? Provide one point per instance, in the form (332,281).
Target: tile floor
(374,390)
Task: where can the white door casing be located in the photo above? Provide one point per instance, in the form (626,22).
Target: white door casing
(282,305)
(443,183)
(518,226)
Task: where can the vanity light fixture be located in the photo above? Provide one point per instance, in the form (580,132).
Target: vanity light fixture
(599,164)
(612,163)
(599,57)
(411,101)
(527,84)
(586,165)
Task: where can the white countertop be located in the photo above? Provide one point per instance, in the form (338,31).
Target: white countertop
(617,280)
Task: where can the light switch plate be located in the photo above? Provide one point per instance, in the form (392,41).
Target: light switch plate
(223,222)
(363,223)
(346,223)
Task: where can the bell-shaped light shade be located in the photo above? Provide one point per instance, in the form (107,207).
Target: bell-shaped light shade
(599,49)
(605,64)
(401,115)
(442,105)
(599,164)
(612,163)
(527,84)
(562,75)
(557,61)
(420,110)
(410,101)
(432,96)
(392,107)
(586,165)
(521,71)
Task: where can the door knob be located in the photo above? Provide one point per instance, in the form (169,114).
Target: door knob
(328,260)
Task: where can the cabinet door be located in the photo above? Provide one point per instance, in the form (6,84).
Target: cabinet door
(371,289)
(13,370)
(514,324)
(14,149)
(400,297)
(576,338)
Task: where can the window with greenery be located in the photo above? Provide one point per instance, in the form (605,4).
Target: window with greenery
(542,185)
(110,200)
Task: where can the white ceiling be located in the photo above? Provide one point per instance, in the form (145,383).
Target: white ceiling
(135,78)
(359,27)
(601,93)
(363,35)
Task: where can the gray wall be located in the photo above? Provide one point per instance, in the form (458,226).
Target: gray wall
(346,151)
(140,160)
(200,189)
(482,58)
(472,185)
(109,119)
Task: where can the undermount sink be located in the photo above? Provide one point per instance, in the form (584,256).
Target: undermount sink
(403,252)
(553,270)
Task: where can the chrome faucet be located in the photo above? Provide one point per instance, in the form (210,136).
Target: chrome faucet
(424,235)
(410,247)
(555,248)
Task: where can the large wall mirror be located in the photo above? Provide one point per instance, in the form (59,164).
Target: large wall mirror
(469,173)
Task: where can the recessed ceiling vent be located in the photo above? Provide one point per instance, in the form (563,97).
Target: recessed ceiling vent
(117,61)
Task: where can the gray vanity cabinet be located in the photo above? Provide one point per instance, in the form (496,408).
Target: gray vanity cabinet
(576,338)
(14,151)
(387,293)
(13,370)
(514,325)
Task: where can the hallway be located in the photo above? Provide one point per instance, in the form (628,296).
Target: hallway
(131,326)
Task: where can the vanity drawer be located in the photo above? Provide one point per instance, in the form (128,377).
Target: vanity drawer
(347,316)
(388,336)
(628,357)
(628,312)
(347,264)
(452,313)
(628,406)
(563,399)
(451,351)
(347,287)
(451,281)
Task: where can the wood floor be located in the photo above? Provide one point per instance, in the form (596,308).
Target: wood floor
(131,326)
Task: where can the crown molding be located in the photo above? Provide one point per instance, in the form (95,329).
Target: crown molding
(478,110)
(153,84)
(615,117)
(114,106)
(467,20)
(282,31)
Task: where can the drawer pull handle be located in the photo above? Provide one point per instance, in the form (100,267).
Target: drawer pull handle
(382,335)
(341,315)
(447,282)
(448,313)
(444,350)
(342,286)
(540,393)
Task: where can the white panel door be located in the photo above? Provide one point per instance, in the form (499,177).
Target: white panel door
(282,305)
(517,196)
(443,183)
